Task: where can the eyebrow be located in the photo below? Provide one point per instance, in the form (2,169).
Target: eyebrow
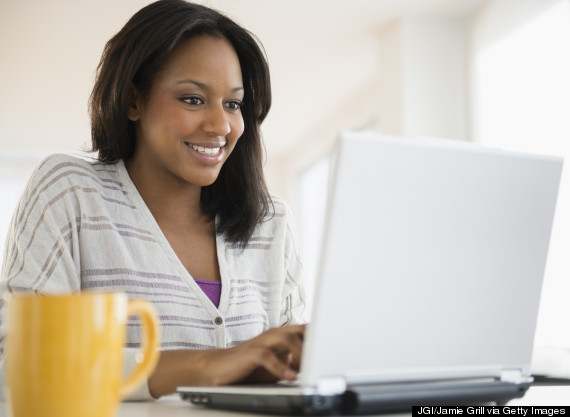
(204,86)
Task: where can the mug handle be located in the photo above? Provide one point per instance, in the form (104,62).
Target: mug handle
(149,346)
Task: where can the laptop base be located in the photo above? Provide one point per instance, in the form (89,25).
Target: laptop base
(363,399)
(295,405)
(369,399)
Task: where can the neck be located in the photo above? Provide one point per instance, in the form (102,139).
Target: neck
(173,202)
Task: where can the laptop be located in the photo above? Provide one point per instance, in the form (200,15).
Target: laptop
(429,283)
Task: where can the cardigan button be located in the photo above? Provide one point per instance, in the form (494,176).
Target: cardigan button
(218,320)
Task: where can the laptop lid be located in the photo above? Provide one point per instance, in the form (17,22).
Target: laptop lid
(432,262)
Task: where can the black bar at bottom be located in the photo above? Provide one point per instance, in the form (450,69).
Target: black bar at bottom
(504,410)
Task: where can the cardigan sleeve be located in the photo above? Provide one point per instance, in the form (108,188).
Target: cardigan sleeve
(294,299)
(38,255)
(42,251)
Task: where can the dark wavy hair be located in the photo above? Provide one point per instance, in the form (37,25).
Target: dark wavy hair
(238,200)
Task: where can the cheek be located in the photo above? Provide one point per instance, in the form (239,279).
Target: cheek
(156,120)
(167,116)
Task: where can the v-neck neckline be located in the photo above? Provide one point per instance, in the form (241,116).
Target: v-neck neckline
(171,254)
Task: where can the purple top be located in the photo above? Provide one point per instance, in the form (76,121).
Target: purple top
(212,289)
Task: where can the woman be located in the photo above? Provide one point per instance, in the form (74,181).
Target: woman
(176,209)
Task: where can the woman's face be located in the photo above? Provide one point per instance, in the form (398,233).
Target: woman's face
(191,120)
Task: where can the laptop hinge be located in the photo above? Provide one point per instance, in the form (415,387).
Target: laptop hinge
(331,385)
(512,375)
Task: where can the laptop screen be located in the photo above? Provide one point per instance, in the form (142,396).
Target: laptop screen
(432,260)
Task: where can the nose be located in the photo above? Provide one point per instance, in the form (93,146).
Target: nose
(216,121)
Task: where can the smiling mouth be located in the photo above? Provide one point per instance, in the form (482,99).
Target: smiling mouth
(206,150)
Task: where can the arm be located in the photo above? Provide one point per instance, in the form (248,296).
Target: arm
(271,356)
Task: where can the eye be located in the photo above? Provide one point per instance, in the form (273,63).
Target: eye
(193,100)
(234,105)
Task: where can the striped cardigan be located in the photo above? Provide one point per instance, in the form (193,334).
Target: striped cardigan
(83,226)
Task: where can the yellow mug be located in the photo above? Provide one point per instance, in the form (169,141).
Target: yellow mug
(64,353)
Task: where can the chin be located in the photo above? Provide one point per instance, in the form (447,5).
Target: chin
(203,181)
(207,183)
(200,176)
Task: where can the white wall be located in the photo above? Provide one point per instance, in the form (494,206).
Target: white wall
(418,88)
(492,22)
(50,50)
(434,96)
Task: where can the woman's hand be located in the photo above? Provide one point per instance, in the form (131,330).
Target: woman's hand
(271,356)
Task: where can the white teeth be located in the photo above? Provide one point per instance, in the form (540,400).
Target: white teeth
(206,151)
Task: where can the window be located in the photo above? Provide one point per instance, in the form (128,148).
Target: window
(522,102)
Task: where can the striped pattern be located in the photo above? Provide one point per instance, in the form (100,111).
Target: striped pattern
(83,226)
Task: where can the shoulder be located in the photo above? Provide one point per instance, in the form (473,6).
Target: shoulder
(279,207)
(61,173)
(279,222)
(279,210)
(66,168)
(58,163)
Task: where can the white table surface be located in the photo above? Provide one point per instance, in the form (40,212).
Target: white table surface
(173,406)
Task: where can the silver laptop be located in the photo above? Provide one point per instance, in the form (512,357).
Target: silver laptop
(429,283)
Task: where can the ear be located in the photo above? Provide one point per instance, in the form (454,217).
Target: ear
(134,104)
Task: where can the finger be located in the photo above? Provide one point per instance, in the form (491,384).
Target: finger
(285,356)
(297,328)
(288,338)
(269,361)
